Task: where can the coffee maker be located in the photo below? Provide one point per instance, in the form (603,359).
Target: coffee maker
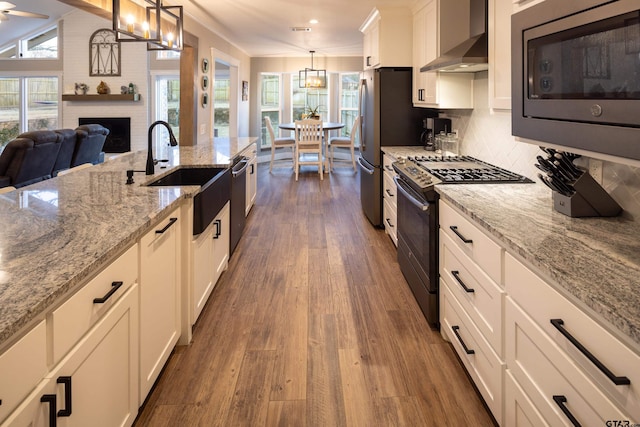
(432,126)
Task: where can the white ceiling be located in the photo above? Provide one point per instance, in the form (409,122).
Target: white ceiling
(258,27)
(262,27)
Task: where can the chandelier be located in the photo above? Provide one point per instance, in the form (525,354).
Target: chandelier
(153,23)
(312,78)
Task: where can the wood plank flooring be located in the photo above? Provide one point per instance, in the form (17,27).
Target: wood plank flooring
(313,325)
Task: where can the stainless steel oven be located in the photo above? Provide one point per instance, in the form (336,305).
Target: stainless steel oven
(417,219)
(576,75)
(418,246)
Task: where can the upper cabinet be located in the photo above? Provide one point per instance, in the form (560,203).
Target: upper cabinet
(436,89)
(500,54)
(387,38)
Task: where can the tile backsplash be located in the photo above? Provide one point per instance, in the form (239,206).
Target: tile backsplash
(487,136)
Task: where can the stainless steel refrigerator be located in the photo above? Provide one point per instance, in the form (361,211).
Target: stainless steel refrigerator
(388,119)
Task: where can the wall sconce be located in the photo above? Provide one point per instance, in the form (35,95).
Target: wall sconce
(161,27)
(312,78)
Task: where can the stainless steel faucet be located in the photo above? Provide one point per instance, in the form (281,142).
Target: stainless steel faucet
(172,141)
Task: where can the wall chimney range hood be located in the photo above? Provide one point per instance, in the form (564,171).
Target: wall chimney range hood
(471,55)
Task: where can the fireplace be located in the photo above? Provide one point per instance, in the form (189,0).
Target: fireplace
(119,138)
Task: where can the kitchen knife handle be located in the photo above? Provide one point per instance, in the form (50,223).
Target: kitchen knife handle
(560,401)
(454,228)
(456,275)
(558,324)
(464,346)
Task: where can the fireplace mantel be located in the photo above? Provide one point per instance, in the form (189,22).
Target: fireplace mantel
(102,98)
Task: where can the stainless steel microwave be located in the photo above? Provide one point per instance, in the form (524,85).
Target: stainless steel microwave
(576,75)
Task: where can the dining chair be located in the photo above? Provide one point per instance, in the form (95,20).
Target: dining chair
(308,136)
(280,142)
(345,142)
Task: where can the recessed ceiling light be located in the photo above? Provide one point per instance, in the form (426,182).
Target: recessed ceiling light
(298,29)
(313,21)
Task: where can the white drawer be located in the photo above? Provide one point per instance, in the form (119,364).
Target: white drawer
(390,221)
(387,160)
(519,411)
(389,189)
(74,318)
(545,373)
(22,367)
(473,242)
(542,303)
(483,365)
(479,296)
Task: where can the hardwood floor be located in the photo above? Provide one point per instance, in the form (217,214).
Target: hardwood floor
(313,325)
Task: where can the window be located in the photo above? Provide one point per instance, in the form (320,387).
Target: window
(221,91)
(304,99)
(270,105)
(167,108)
(349,84)
(27,104)
(43,45)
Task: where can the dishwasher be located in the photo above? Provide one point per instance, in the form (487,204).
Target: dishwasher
(238,200)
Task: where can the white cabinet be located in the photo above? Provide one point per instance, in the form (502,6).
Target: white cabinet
(159,298)
(387,38)
(96,383)
(435,89)
(499,26)
(209,258)
(472,301)
(252,178)
(555,349)
(22,367)
(389,202)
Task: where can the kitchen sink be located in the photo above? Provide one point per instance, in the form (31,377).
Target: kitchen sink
(215,190)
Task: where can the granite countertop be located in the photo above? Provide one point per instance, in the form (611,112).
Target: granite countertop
(593,261)
(55,234)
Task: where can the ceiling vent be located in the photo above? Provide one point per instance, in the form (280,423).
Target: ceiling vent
(300,29)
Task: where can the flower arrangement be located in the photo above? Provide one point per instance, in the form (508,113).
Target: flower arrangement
(81,88)
(312,113)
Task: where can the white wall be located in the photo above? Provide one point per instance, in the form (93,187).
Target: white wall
(78,27)
(487,136)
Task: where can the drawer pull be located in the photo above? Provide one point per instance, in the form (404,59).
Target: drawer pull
(456,275)
(560,401)
(51,400)
(464,346)
(557,323)
(218,224)
(67,396)
(454,228)
(389,222)
(114,287)
(166,227)
(389,193)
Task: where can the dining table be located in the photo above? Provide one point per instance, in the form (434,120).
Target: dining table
(326,128)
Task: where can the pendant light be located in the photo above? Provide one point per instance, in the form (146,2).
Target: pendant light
(161,27)
(312,78)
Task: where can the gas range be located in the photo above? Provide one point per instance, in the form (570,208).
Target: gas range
(423,172)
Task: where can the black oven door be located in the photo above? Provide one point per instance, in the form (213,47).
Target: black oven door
(418,247)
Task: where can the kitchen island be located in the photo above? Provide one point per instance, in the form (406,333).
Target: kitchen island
(57,233)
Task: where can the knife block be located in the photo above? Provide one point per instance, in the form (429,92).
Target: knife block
(589,200)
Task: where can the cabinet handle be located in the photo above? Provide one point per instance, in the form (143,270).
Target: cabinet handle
(368,61)
(218,224)
(456,275)
(389,192)
(166,227)
(114,287)
(251,172)
(464,346)
(67,396)
(560,401)
(454,228)
(389,222)
(557,323)
(51,400)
